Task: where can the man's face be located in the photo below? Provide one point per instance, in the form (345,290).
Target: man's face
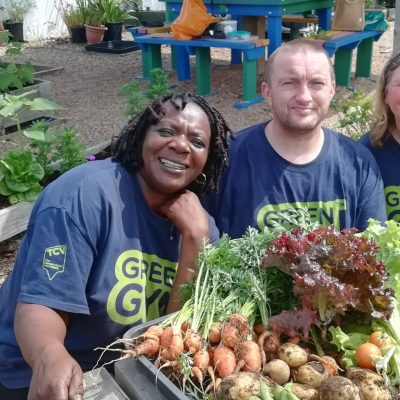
(300,91)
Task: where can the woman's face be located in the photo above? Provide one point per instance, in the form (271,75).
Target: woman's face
(393,95)
(175,150)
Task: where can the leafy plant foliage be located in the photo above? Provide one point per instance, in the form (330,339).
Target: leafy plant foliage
(355,113)
(26,169)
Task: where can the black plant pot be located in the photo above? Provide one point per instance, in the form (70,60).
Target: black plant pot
(114,31)
(16,29)
(78,35)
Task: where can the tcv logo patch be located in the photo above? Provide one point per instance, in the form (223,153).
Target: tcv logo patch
(54,260)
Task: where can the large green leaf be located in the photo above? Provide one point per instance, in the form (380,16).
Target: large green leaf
(29,195)
(4,189)
(15,186)
(39,104)
(12,109)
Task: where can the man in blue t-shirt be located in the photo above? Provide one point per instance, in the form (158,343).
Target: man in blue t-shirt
(292,163)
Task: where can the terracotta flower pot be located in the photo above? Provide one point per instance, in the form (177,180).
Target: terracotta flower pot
(94,34)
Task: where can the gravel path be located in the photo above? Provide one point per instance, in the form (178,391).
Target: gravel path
(88,89)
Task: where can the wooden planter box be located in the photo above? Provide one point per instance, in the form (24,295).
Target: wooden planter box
(14,219)
(39,69)
(43,89)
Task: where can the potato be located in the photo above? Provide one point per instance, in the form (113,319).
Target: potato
(305,392)
(292,354)
(372,385)
(339,388)
(312,374)
(241,386)
(278,371)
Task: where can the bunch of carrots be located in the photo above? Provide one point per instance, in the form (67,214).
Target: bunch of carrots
(212,335)
(231,347)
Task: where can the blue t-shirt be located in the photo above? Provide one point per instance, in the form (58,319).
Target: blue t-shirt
(342,186)
(388,160)
(95,249)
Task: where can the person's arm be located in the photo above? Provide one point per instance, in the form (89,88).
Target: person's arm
(190,218)
(40,332)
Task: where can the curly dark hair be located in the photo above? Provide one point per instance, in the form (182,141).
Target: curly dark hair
(127,147)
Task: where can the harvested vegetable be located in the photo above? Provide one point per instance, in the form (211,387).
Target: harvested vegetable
(305,392)
(380,339)
(249,355)
(312,373)
(339,388)
(292,354)
(333,272)
(224,361)
(278,371)
(241,386)
(371,385)
(366,354)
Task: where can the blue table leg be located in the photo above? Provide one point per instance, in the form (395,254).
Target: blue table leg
(274,32)
(236,56)
(183,63)
(324,18)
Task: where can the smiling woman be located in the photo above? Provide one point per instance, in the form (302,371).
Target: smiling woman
(107,246)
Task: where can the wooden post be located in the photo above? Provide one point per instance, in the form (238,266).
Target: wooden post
(256,26)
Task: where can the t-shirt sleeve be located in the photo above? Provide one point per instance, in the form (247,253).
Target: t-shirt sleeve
(371,198)
(213,230)
(57,264)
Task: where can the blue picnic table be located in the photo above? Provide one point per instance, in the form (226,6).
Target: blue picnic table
(272,9)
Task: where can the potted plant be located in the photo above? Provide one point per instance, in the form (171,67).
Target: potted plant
(74,18)
(17,9)
(113,15)
(94,25)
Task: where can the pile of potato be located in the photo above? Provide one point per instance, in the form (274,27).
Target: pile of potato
(313,377)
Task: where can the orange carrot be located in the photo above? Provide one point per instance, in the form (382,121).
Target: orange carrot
(240,323)
(192,341)
(156,330)
(148,347)
(224,361)
(249,352)
(329,363)
(184,327)
(211,353)
(201,359)
(230,336)
(258,329)
(171,343)
(166,336)
(235,329)
(214,335)
(197,374)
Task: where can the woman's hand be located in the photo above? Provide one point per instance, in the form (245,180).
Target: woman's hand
(56,376)
(40,333)
(187,214)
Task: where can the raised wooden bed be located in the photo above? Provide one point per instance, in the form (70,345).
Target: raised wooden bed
(43,89)
(39,69)
(14,219)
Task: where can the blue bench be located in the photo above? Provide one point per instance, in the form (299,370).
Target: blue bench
(342,48)
(251,50)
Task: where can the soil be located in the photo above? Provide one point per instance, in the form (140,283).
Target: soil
(88,89)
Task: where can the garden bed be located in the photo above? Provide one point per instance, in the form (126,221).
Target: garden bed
(14,219)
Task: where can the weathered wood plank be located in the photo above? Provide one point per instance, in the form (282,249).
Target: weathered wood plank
(14,219)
